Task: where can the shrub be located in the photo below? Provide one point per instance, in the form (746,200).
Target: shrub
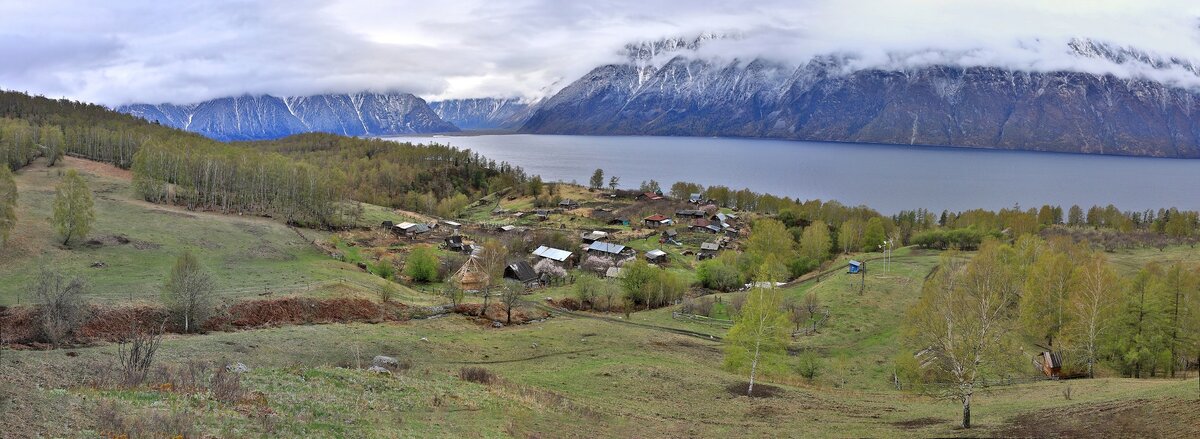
(719,274)
(422,265)
(809,366)
(226,386)
(136,355)
(801,266)
(477,375)
(61,303)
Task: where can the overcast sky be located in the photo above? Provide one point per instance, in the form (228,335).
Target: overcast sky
(116,52)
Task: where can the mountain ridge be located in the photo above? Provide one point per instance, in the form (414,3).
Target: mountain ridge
(256,117)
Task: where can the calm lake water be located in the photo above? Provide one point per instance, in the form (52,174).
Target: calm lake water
(886,177)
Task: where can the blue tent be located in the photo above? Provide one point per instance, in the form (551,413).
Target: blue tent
(856,266)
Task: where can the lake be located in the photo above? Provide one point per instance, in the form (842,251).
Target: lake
(888,178)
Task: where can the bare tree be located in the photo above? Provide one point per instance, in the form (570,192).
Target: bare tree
(1092,304)
(61,303)
(510,296)
(188,292)
(136,354)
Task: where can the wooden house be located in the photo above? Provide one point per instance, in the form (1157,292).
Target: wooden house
(410,229)
(651,196)
(568,204)
(690,213)
(1051,364)
(702,225)
(522,272)
(656,220)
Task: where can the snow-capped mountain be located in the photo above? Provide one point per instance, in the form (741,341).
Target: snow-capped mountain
(267,117)
(664,89)
(483,113)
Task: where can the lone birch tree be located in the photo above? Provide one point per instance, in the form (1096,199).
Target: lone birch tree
(962,319)
(188,292)
(73,210)
(758,339)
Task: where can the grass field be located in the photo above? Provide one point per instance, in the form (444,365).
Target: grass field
(137,242)
(572,375)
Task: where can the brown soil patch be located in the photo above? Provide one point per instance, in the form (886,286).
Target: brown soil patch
(302,310)
(495,313)
(98,168)
(1132,418)
(918,423)
(760,390)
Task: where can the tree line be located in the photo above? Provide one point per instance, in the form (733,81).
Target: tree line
(978,317)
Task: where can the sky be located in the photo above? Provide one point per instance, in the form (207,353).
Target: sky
(115,52)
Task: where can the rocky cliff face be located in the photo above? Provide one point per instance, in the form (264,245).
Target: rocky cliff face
(984,107)
(483,113)
(268,117)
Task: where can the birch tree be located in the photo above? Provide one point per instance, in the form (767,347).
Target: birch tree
(73,210)
(961,322)
(758,339)
(189,292)
(1092,303)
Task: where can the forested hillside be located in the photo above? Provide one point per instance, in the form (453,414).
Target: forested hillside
(299,179)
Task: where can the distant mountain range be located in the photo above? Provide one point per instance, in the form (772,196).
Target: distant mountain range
(665,88)
(483,113)
(267,117)
(984,107)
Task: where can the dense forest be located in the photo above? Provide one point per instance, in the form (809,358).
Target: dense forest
(301,179)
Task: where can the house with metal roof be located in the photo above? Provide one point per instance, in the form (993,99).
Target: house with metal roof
(594,236)
(710,247)
(690,213)
(605,248)
(557,255)
(410,229)
(521,271)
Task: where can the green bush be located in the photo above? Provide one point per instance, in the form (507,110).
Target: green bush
(422,265)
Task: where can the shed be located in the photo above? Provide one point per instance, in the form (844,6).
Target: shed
(710,247)
(723,217)
(605,248)
(670,234)
(452,224)
(508,228)
(594,236)
(568,204)
(455,243)
(652,196)
(690,213)
(856,266)
(557,255)
(657,220)
(656,256)
(1051,363)
(521,271)
(387,225)
(695,198)
(618,222)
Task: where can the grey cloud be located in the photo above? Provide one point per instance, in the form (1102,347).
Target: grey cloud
(154,51)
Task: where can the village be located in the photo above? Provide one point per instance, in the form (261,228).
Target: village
(591,232)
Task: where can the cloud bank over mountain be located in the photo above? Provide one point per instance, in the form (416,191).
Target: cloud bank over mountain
(151,51)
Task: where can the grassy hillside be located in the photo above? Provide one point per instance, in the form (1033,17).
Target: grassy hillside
(138,241)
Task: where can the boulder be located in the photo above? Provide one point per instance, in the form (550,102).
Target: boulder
(385,361)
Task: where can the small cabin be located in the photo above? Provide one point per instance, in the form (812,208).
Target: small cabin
(695,198)
(856,267)
(670,235)
(618,222)
(701,225)
(455,244)
(568,204)
(505,229)
(656,256)
(690,213)
(651,196)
